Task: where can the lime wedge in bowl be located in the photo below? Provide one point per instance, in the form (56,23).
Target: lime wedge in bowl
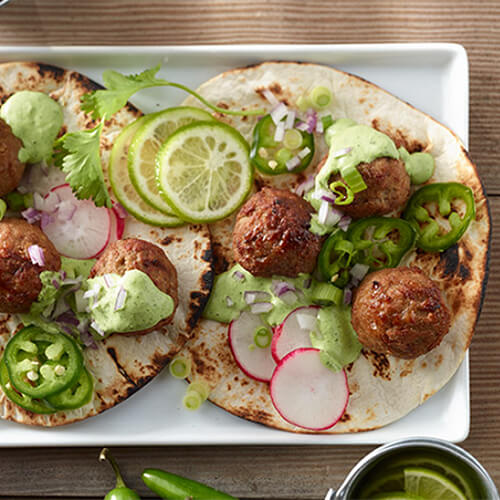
(122,187)
(204,172)
(155,130)
(431,485)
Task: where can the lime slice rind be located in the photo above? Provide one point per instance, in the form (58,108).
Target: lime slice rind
(145,145)
(204,171)
(123,189)
(430,484)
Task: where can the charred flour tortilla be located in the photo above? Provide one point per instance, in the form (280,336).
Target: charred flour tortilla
(383,388)
(121,365)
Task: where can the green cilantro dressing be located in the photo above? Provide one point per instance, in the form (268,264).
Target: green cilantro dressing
(36,119)
(143,307)
(420,166)
(336,338)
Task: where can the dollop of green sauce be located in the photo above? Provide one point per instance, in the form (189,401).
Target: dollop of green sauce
(145,304)
(420,166)
(335,336)
(36,120)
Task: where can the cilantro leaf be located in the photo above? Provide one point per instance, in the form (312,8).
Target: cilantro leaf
(79,157)
(119,89)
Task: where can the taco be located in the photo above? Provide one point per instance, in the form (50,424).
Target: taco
(383,386)
(119,364)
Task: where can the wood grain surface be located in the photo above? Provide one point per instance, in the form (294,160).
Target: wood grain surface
(275,472)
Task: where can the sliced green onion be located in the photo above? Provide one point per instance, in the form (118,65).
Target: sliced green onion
(303,103)
(28,200)
(3,208)
(192,400)
(262,337)
(292,139)
(344,193)
(326,294)
(327,121)
(200,387)
(320,97)
(15,201)
(282,156)
(353,178)
(180,367)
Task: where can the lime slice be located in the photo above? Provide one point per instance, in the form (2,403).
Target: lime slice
(389,481)
(431,485)
(122,187)
(396,495)
(145,145)
(204,172)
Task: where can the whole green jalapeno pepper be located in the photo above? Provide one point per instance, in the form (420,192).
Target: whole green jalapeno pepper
(120,491)
(173,487)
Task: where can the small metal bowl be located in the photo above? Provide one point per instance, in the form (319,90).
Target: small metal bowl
(404,447)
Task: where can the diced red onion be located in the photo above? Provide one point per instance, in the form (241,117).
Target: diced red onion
(67,329)
(305,186)
(341,152)
(97,328)
(292,163)
(306,321)
(279,133)
(36,255)
(319,193)
(251,297)
(302,126)
(87,339)
(120,299)
(261,307)
(46,219)
(303,153)
(359,271)
(270,97)
(289,297)
(328,215)
(323,212)
(312,119)
(91,293)
(281,287)
(107,280)
(290,119)
(120,210)
(307,283)
(63,275)
(56,284)
(347,296)
(69,318)
(229,301)
(238,275)
(330,198)
(31,215)
(344,222)
(319,127)
(279,112)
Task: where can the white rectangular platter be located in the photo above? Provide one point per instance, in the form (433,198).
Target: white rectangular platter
(431,77)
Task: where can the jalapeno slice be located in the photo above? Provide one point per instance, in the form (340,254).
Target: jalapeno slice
(381,242)
(335,258)
(42,363)
(75,396)
(455,205)
(270,157)
(20,399)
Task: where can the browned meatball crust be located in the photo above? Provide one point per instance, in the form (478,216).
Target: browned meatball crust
(272,236)
(11,169)
(400,311)
(127,255)
(387,188)
(19,278)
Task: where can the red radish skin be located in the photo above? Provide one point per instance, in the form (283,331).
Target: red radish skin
(86,235)
(306,393)
(257,363)
(289,336)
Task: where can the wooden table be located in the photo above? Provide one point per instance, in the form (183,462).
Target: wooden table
(275,472)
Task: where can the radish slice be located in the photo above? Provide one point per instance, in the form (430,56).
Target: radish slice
(306,393)
(117,226)
(83,235)
(256,362)
(294,332)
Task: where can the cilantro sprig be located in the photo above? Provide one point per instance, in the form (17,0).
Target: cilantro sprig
(77,153)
